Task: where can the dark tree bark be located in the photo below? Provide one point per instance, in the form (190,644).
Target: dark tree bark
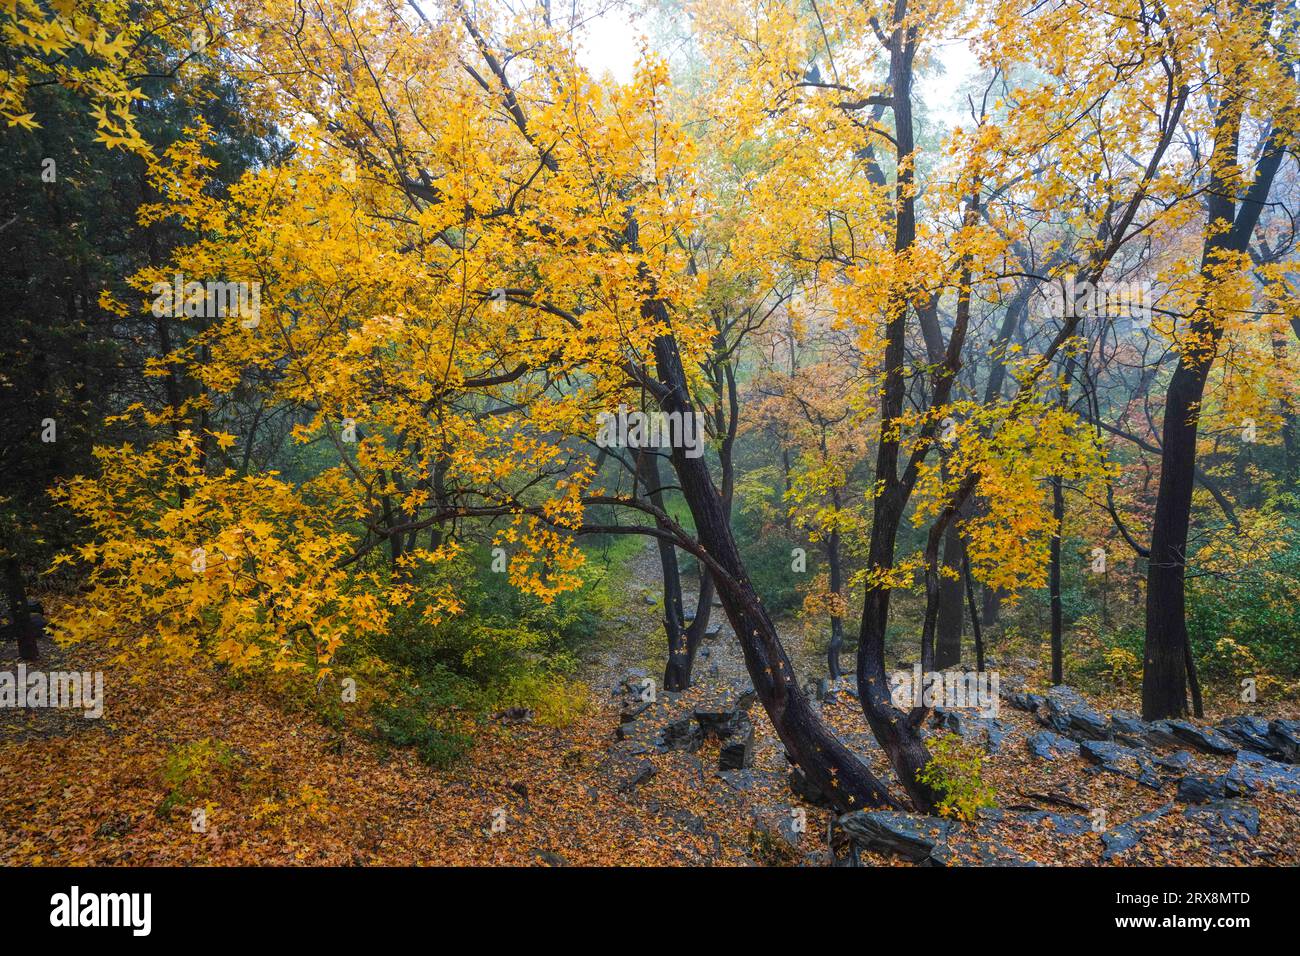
(1228,230)
(677,670)
(1054,584)
(952,610)
(976,631)
(19,613)
(836,562)
(828,764)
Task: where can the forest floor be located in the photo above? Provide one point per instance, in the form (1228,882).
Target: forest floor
(283,788)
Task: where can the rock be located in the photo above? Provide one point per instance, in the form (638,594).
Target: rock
(808,791)
(965,726)
(642,772)
(651,599)
(631,712)
(1200,788)
(1128,728)
(984,851)
(1028,702)
(997,734)
(1068,713)
(550,858)
(1179,762)
(1205,739)
(912,835)
(742,780)
(1227,821)
(1249,733)
(1048,745)
(1065,823)
(737,752)
(516,715)
(1122,760)
(1160,734)
(1253,772)
(684,734)
(718,723)
(714,629)
(1119,839)
(1285,736)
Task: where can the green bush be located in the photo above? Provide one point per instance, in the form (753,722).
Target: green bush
(955,772)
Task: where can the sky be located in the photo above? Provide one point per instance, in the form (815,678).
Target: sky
(613,38)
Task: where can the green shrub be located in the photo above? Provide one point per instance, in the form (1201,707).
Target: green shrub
(955,772)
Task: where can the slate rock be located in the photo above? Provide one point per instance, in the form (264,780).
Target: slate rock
(1200,788)
(997,735)
(1027,702)
(1067,824)
(1122,760)
(1122,838)
(1048,745)
(741,780)
(1227,821)
(984,851)
(912,835)
(1249,733)
(1179,762)
(1068,713)
(550,858)
(1160,734)
(1128,728)
(631,712)
(1254,772)
(1205,739)
(1285,736)
(684,734)
(738,751)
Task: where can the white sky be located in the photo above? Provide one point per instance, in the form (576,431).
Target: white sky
(612,42)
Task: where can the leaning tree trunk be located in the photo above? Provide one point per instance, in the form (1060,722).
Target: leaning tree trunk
(826,762)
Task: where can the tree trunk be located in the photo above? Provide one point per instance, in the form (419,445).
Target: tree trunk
(976,632)
(1167,653)
(1054,583)
(677,670)
(19,613)
(834,559)
(827,763)
(947,647)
